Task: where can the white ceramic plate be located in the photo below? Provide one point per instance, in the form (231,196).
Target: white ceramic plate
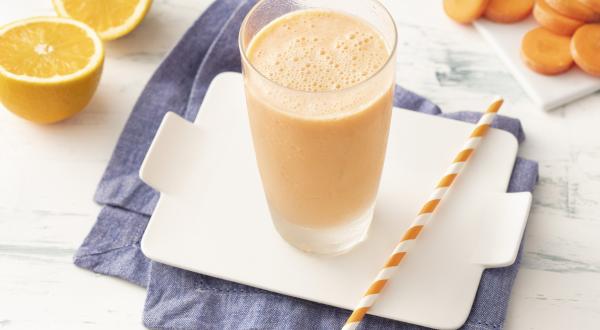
(212,216)
(547,92)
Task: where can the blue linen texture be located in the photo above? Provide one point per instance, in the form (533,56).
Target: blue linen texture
(179,299)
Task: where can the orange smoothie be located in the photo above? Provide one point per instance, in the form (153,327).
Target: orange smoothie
(319,115)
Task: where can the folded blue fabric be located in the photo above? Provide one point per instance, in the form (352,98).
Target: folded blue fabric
(179,299)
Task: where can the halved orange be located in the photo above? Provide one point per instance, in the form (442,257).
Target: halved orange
(49,67)
(110,18)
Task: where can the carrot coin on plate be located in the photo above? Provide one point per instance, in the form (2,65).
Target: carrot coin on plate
(546,52)
(594,4)
(553,21)
(508,11)
(574,9)
(464,11)
(585,48)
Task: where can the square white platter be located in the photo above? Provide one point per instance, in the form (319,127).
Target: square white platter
(212,217)
(547,92)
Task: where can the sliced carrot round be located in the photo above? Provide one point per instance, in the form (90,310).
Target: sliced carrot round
(574,9)
(546,52)
(594,4)
(508,11)
(553,21)
(585,48)
(464,11)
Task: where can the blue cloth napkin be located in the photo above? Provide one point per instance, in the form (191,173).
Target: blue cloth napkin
(179,299)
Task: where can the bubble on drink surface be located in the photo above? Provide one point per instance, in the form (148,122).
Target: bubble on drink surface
(305,54)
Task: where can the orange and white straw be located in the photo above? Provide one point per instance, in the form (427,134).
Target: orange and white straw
(412,233)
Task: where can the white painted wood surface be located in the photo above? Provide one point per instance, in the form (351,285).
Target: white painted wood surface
(48,176)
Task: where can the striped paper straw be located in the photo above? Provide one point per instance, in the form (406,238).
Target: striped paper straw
(412,233)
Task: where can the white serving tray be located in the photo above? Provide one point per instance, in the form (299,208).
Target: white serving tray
(547,92)
(212,217)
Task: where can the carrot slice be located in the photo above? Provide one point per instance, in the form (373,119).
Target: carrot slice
(594,4)
(553,21)
(464,11)
(574,9)
(546,52)
(585,48)
(508,11)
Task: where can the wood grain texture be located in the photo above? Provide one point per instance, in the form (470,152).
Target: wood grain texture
(48,176)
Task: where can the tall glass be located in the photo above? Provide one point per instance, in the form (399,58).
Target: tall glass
(320,169)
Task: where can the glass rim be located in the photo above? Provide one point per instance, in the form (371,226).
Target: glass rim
(391,56)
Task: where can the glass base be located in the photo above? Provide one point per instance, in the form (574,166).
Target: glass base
(326,241)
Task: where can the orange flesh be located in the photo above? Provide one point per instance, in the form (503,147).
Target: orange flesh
(113,12)
(585,48)
(508,11)
(546,52)
(553,21)
(465,11)
(574,9)
(45,49)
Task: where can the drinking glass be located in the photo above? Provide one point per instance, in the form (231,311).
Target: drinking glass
(320,170)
